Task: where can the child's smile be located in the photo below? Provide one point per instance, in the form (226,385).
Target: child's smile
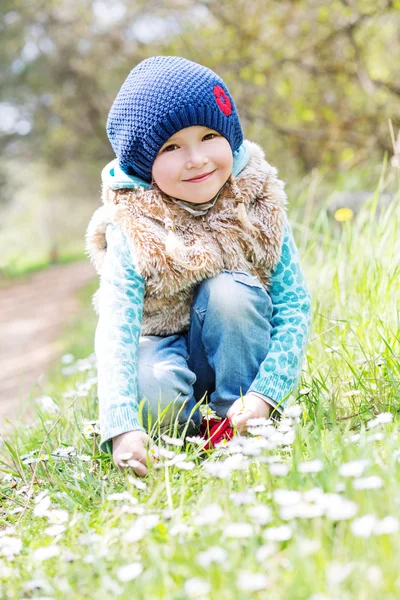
(194,155)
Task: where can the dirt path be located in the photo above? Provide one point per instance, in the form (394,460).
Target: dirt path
(33,312)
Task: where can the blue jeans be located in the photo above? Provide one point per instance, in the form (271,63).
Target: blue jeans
(227,340)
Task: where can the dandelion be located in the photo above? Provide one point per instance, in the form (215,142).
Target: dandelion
(46,552)
(278,534)
(344,214)
(214,554)
(312,466)
(252,582)
(354,468)
(368,483)
(129,572)
(239,530)
(196,588)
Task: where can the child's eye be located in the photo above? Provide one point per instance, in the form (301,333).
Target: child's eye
(167,149)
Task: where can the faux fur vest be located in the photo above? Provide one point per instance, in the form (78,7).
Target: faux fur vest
(212,242)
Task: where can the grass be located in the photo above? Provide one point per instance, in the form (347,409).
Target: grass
(24,265)
(301,517)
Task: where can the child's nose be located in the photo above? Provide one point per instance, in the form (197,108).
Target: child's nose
(196,158)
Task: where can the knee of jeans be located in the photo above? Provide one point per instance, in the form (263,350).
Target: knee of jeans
(228,297)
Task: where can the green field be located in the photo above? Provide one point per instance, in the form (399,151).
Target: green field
(306,510)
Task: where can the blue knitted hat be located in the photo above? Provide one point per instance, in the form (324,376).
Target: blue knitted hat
(160,96)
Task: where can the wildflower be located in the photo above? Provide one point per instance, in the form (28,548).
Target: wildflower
(308,546)
(172,441)
(196,439)
(90,430)
(260,514)
(375,437)
(302,510)
(80,475)
(140,485)
(305,391)
(46,552)
(368,483)
(387,526)
(41,509)
(57,516)
(332,349)
(64,452)
(240,498)
(84,457)
(266,551)
(139,528)
(374,575)
(338,572)
(382,419)
(353,438)
(351,393)
(214,554)
(196,588)
(312,466)
(54,530)
(278,534)
(117,496)
(286,497)
(126,455)
(293,412)
(338,508)
(252,582)
(257,421)
(209,514)
(40,496)
(208,414)
(344,214)
(239,530)
(279,470)
(48,403)
(180,528)
(10,546)
(363,526)
(354,468)
(67,359)
(129,572)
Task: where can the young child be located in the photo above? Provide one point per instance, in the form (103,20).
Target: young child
(201,288)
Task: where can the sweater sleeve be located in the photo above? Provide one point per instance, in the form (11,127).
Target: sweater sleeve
(280,371)
(120,301)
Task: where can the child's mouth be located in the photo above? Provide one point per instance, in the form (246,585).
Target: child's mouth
(199,179)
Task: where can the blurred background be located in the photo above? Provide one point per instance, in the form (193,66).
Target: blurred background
(315,83)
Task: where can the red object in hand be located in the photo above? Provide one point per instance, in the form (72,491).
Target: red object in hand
(215,431)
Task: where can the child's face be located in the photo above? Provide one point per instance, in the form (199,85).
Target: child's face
(191,152)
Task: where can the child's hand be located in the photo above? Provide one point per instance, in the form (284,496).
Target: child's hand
(250,407)
(134,442)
